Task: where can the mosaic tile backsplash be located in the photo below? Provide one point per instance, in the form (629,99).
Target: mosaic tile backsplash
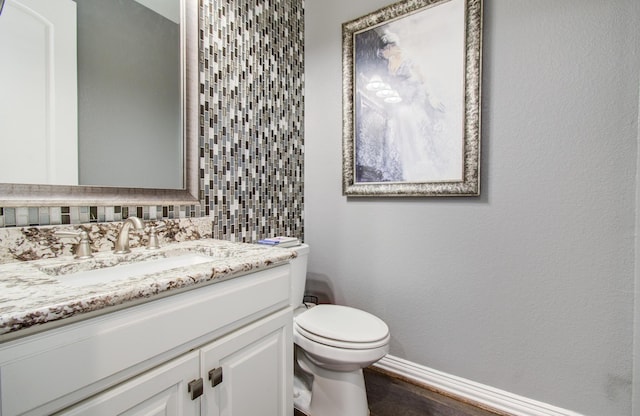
(251,128)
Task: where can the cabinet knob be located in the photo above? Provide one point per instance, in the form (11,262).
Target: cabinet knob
(215,376)
(196,388)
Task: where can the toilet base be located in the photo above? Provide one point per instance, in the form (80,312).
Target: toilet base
(335,393)
(302,382)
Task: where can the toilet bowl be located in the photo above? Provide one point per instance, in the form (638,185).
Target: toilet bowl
(333,344)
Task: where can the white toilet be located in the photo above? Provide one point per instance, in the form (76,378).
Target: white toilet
(333,344)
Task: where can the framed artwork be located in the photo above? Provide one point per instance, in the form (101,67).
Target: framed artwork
(411,100)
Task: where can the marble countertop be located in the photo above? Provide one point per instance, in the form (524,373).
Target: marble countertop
(34,296)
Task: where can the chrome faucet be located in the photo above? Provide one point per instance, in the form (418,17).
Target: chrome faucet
(122,242)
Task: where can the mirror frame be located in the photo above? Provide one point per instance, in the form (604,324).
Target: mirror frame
(30,195)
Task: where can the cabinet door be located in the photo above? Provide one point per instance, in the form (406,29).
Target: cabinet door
(161,391)
(257,370)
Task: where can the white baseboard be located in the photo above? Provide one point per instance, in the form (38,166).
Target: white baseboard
(490,397)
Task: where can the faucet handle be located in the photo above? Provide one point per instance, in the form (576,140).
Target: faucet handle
(154,244)
(83,250)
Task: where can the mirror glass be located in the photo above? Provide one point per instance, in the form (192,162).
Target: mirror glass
(129,124)
(97,95)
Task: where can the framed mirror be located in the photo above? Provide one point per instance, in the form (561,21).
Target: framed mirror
(183,191)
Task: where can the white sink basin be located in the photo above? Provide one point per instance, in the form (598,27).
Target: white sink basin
(127,271)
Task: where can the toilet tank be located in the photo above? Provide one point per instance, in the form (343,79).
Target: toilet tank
(299,274)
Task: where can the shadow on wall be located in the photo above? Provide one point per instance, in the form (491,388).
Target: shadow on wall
(319,287)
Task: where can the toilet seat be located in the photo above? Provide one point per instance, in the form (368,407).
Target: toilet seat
(340,344)
(342,327)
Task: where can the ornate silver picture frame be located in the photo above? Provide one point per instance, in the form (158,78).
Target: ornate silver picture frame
(411,100)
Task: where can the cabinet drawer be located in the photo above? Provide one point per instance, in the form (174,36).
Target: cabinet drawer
(56,368)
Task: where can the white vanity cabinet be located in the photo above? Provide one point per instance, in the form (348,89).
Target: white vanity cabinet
(256,368)
(153,358)
(161,391)
(242,374)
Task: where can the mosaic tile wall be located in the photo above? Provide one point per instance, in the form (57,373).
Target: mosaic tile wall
(251,128)
(252,116)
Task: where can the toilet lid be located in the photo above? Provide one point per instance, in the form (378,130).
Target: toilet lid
(343,324)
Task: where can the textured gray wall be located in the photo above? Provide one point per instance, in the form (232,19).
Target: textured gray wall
(636,325)
(530,287)
(128,96)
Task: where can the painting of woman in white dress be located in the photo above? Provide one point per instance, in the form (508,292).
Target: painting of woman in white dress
(409,98)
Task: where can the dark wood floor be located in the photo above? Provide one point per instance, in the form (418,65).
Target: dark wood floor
(389,396)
